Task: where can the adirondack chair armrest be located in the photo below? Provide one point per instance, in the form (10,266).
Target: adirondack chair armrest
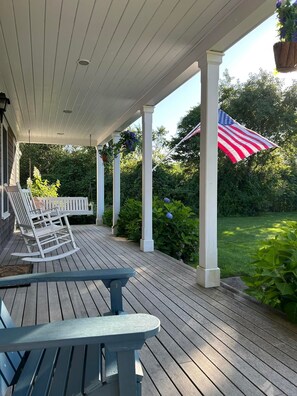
(119,333)
(113,279)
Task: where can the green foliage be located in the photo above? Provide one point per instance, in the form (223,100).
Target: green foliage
(42,188)
(129,222)
(177,236)
(275,279)
(43,156)
(286,12)
(175,227)
(239,238)
(75,167)
(188,151)
(107,217)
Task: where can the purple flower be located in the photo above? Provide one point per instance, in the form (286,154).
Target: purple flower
(283,33)
(278,3)
(294,36)
(169,215)
(166,200)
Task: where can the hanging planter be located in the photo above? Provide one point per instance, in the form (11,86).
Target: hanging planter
(285,55)
(127,144)
(106,153)
(285,51)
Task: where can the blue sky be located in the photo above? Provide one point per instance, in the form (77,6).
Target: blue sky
(249,55)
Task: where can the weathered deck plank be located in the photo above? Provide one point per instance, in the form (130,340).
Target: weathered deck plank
(212,342)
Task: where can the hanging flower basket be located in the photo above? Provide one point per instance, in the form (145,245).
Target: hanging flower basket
(126,144)
(285,51)
(106,153)
(285,55)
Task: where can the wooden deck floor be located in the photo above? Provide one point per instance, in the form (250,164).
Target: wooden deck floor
(211,343)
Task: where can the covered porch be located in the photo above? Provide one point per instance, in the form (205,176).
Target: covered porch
(80,72)
(212,342)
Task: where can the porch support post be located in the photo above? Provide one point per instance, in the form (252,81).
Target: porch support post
(146,242)
(208,273)
(116,185)
(100,187)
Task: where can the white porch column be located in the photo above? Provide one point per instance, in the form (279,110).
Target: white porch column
(116,190)
(208,273)
(100,187)
(146,242)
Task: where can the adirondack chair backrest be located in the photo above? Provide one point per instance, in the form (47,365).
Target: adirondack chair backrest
(20,206)
(9,361)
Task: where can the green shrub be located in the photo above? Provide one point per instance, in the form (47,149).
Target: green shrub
(129,222)
(42,188)
(275,279)
(177,236)
(175,227)
(107,217)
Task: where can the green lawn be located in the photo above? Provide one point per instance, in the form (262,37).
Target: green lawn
(239,237)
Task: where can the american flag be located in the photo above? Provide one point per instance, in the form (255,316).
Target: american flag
(236,141)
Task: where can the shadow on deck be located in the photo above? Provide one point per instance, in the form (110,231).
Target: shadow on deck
(212,342)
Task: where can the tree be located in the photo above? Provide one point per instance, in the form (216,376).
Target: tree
(188,151)
(75,167)
(41,156)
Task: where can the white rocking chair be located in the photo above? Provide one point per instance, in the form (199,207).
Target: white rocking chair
(43,231)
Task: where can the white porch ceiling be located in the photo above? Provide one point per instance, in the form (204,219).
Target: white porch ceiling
(139,52)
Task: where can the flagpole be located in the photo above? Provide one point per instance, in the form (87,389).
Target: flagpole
(174,148)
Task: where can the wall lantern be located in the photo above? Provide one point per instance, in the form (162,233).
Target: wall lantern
(4,101)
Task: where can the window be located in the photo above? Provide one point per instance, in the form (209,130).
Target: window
(4,170)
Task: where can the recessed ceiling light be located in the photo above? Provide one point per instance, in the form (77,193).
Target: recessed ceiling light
(67,111)
(60,133)
(84,62)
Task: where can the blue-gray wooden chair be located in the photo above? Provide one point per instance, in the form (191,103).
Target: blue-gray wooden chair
(73,357)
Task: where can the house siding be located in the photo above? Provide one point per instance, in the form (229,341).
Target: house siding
(7,225)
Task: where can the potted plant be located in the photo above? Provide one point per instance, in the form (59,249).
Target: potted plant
(128,142)
(285,51)
(106,153)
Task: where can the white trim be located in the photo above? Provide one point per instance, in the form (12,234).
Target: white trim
(4,178)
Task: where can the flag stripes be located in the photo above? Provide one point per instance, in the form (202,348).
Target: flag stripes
(236,141)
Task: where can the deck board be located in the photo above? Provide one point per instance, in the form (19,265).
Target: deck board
(212,342)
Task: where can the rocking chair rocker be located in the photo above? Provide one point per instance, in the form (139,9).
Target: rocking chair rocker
(43,231)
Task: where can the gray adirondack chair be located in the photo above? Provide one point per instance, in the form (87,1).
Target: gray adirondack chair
(44,232)
(89,356)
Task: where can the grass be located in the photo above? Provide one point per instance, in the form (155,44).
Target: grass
(240,237)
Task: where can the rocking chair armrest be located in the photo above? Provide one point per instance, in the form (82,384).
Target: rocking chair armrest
(38,212)
(123,332)
(57,215)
